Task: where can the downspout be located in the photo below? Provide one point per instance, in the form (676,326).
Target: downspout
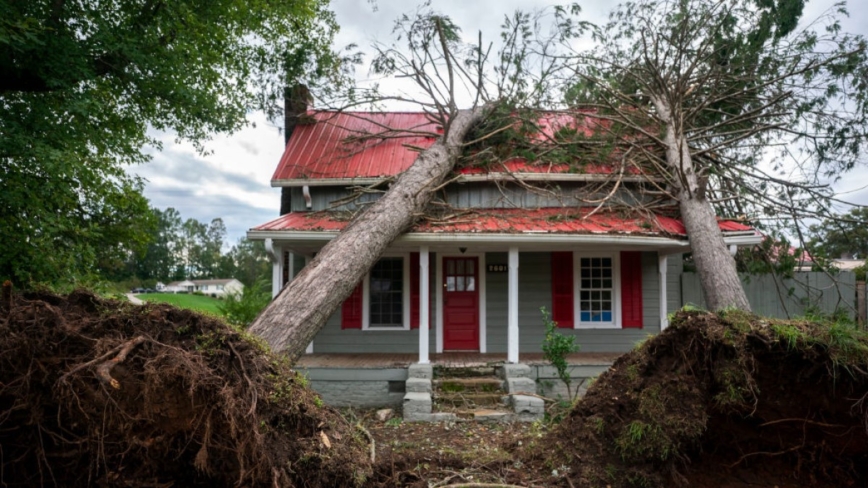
(308,202)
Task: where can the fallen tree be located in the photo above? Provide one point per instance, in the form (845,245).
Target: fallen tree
(292,320)
(441,67)
(741,109)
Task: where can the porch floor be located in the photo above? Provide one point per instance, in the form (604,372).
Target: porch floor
(449,359)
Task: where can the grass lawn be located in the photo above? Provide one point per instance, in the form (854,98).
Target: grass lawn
(181,300)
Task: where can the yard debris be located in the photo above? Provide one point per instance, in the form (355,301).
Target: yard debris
(98,392)
(384,414)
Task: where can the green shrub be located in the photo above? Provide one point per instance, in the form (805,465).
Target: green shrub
(242,308)
(556,347)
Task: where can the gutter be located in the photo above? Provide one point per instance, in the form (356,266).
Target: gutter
(562,177)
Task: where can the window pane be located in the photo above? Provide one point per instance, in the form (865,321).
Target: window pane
(450,283)
(450,267)
(386,293)
(470,269)
(459,270)
(597,289)
(471,283)
(459,284)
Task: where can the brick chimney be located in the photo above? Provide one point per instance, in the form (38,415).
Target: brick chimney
(296,100)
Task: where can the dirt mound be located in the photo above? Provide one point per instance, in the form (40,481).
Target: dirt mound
(104,393)
(724,400)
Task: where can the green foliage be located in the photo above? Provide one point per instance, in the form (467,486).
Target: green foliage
(82,83)
(740,89)
(556,347)
(841,235)
(241,309)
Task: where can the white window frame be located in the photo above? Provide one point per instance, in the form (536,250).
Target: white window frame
(405,297)
(616,291)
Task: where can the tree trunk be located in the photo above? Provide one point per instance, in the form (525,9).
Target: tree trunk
(715,265)
(295,316)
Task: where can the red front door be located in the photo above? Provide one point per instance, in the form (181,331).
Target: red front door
(461,304)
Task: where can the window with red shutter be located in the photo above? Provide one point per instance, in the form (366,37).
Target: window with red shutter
(562,289)
(351,310)
(631,289)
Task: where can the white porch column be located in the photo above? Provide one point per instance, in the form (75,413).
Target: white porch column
(512,309)
(662,265)
(424,296)
(275,254)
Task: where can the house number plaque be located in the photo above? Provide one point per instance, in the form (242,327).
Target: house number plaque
(497,268)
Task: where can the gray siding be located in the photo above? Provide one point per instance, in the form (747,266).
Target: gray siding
(534,292)
(482,195)
(333,339)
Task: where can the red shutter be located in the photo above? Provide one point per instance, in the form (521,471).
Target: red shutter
(414,290)
(631,289)
(351,310)
(562,289)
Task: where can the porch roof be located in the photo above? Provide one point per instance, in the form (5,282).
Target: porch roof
(509,221)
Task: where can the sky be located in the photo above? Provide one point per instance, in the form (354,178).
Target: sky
(232,181)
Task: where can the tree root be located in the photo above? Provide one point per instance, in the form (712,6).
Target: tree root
(103,370)
(373,445)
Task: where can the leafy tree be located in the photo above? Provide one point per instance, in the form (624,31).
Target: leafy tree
(247,262)
(739,109)
(844,235)
(158,261)
(82,81)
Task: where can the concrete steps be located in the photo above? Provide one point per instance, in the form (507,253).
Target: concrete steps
(499,393)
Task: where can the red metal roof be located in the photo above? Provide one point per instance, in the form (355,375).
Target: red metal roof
(511,221)
(329,148)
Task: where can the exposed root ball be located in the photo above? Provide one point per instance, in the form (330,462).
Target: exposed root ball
(103,393)
(725,400)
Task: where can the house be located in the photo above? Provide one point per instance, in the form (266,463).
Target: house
(483,267)
(215,288)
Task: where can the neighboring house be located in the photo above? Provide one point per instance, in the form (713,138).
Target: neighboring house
(214,288)
(185,286)
(484,267)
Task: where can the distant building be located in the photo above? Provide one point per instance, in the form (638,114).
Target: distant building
(214,288)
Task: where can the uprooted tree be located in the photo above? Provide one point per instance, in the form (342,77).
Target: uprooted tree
(739,108)
(711,97)
(447,72)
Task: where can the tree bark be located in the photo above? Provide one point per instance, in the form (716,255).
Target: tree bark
(716,266)
(295,316)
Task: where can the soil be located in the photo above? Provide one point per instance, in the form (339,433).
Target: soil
(104,393)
